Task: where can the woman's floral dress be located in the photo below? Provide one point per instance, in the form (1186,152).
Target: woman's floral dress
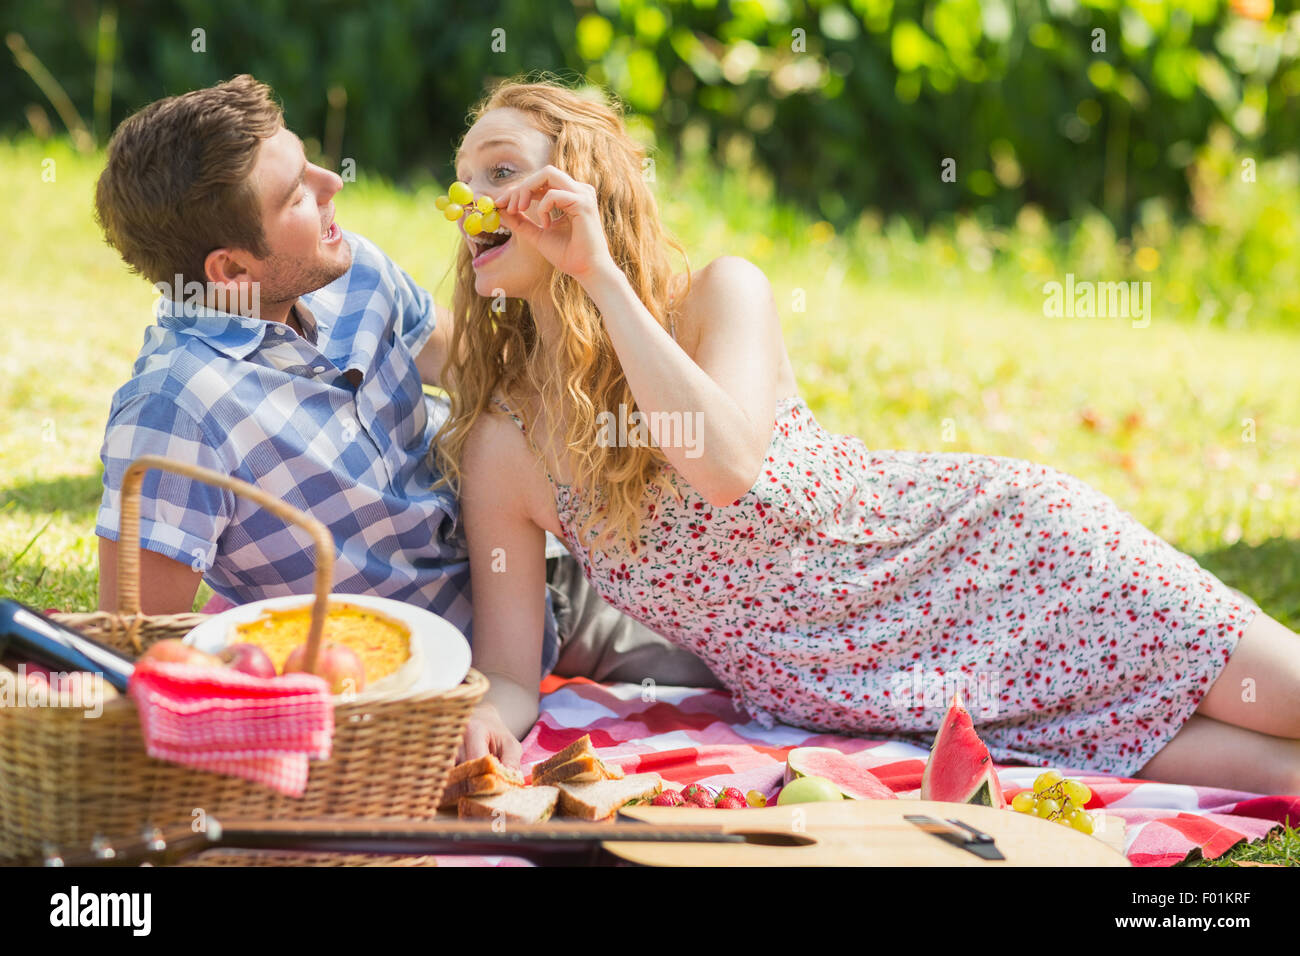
(852,591)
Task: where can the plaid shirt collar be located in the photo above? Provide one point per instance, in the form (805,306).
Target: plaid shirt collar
(235,336)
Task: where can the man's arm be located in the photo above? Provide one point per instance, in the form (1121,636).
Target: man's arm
(179,516)
(433,356)
(166,586)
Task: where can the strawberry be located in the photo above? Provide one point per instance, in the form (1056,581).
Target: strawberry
(701,798)
(727,802)
(668,798)
(730,793)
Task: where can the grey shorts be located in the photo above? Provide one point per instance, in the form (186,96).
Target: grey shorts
(600,642)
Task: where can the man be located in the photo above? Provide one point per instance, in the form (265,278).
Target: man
(292,355)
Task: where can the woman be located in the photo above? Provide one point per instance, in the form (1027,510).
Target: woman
(813,576)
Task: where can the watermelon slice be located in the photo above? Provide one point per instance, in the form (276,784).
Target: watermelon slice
(960,769)
(854,782)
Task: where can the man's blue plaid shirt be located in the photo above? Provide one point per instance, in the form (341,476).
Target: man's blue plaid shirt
(253,399)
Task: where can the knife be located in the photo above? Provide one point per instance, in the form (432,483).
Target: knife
(972,840)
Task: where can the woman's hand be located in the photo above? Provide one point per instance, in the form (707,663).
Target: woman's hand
(488,734)
(565,224)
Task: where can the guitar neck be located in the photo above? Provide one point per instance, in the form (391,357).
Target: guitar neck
(552,843)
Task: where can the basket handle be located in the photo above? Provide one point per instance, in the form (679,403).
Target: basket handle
(128,578)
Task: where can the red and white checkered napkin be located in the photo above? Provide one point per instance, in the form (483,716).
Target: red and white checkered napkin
(263,729)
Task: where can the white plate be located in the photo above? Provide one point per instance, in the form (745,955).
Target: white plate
(446,654)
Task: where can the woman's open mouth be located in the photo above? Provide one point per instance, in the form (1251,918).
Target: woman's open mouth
(487,246)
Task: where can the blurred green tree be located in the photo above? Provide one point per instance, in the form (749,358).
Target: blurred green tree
(922,107)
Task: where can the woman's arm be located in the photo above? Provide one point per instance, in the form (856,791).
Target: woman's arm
(730,394)
(507,559)
(729,390)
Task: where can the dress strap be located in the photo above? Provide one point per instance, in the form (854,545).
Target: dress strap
(507,410)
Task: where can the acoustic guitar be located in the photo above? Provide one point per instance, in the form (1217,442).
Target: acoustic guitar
(836,833)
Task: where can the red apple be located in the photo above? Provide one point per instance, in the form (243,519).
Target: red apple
(248,659)
(339,664)
(173,650)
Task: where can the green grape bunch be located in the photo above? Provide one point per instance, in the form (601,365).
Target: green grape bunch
(1056,798)
(480,214)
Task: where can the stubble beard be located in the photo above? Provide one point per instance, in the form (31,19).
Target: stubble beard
(292,277)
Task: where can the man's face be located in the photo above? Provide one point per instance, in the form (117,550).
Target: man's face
(307,247)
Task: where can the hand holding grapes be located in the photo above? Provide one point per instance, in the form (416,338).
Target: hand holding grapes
(567,230)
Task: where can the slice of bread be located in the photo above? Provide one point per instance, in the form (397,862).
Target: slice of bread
(517,805)
(474,786)
(602,799)
(577,763)
(584,769)
(580,747)
(487,764)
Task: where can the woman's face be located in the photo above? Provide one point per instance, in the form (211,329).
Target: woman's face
(499,151)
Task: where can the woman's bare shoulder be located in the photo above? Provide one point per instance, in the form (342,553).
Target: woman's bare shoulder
(722,271)
(723,284)
(500,463)
(492,440)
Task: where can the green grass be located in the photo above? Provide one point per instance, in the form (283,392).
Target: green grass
(1153,417)
(1278,849)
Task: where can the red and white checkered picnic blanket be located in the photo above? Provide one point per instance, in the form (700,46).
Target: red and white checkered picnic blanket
(695,735)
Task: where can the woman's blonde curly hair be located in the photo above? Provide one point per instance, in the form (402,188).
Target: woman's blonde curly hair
(497,352)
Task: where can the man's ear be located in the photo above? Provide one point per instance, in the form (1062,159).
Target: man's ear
(228,265)
(232,276)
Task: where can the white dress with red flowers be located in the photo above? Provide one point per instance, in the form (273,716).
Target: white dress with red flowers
(853,590)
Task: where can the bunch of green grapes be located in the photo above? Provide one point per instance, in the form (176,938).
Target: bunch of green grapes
(483,215)
(1056,798)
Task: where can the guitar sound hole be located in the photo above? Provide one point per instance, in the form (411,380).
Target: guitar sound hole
(766,838)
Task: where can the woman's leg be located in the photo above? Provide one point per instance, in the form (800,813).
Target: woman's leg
(1208,753)
(1259,688)
(1243,735)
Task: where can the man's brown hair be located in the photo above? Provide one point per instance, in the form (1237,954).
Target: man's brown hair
(177,184)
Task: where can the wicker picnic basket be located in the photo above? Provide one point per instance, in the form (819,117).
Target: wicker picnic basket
(66,778)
